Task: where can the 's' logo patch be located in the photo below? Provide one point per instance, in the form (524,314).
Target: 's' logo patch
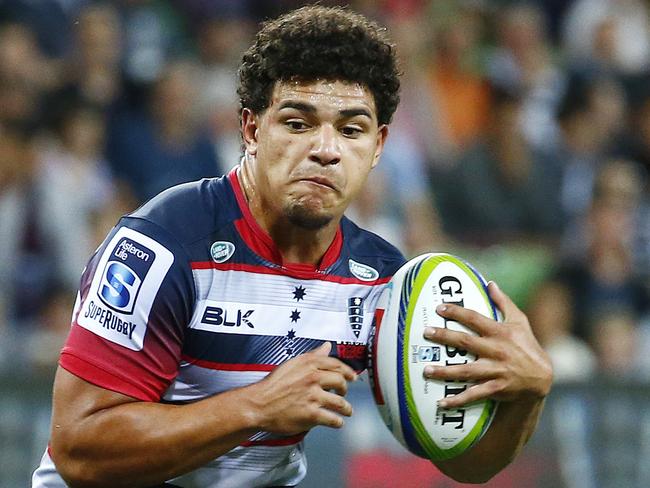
(363,271)
(124,273)
(222,251)
(129,274)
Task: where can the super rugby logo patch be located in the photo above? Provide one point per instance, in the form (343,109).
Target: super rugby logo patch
(122,278)
(127,279)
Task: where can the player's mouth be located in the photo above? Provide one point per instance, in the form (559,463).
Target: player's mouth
(321,181)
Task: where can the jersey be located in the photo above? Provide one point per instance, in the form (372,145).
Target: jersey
(188,297)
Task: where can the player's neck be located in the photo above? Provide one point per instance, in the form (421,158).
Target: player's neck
(301,245)
(296,244)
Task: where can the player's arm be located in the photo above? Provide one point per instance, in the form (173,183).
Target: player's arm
(512,368)
(102,438)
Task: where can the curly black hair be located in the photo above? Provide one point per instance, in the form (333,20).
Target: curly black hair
(313,42)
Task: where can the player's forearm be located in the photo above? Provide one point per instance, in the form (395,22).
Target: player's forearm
(512,427)
(141,444)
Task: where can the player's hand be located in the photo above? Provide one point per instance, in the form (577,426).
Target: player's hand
(511,365)
(296,396)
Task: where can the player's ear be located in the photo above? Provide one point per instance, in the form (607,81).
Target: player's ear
(249,128)
(382,134)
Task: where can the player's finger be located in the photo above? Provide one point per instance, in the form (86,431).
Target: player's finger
(336,365)
(474,393)
(477,371)
(336,403)
(477,345)
(505,304)
(480,324)
(328,419)
(330,380)
(322,350)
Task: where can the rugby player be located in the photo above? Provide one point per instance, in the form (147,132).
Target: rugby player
(222,320)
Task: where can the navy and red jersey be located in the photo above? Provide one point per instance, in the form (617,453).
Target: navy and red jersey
(188,297)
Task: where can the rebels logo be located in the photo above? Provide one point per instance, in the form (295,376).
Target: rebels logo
(123,275)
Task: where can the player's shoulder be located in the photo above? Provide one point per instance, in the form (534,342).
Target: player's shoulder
(371,248)
(191,210)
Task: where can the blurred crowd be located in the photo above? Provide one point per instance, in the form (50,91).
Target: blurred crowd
(522,143)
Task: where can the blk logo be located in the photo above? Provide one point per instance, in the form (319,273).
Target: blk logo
(227,318)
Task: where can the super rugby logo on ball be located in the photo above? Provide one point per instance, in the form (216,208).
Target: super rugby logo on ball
(406,400)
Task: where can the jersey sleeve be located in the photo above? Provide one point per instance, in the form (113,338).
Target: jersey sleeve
(135,300)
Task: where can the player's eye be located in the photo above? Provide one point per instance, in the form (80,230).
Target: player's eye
(296,125)
(351,131)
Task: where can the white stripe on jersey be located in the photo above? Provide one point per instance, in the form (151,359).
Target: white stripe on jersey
(256,466)
(269,289)
(240,302)
(275,320)
(194,382)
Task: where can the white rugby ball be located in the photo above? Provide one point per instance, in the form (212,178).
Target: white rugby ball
(406,400)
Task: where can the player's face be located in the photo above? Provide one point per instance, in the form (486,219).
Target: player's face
(314,147)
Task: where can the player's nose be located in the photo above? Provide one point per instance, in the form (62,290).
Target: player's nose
(326,147)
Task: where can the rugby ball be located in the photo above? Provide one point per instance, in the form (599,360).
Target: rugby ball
(406,400)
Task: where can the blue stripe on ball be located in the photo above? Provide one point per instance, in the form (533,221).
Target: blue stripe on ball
(407,428)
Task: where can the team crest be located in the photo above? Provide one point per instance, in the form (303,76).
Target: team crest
(355,314)
(222,251)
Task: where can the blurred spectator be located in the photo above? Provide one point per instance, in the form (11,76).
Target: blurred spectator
(49,19)
(407,198)
(165,144)
(21,60)
(221,42)
(502,188)
(198,11)
(615,336)
(637,143)
(637,148)
(602,277)
(42,348)
(153,34)
(591,117)
(24,74)
(74,185)
(551,315)
(459,91)
(26,273)
(609,34)
(523,62)
(417,116)
(368,212)
(96,58)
